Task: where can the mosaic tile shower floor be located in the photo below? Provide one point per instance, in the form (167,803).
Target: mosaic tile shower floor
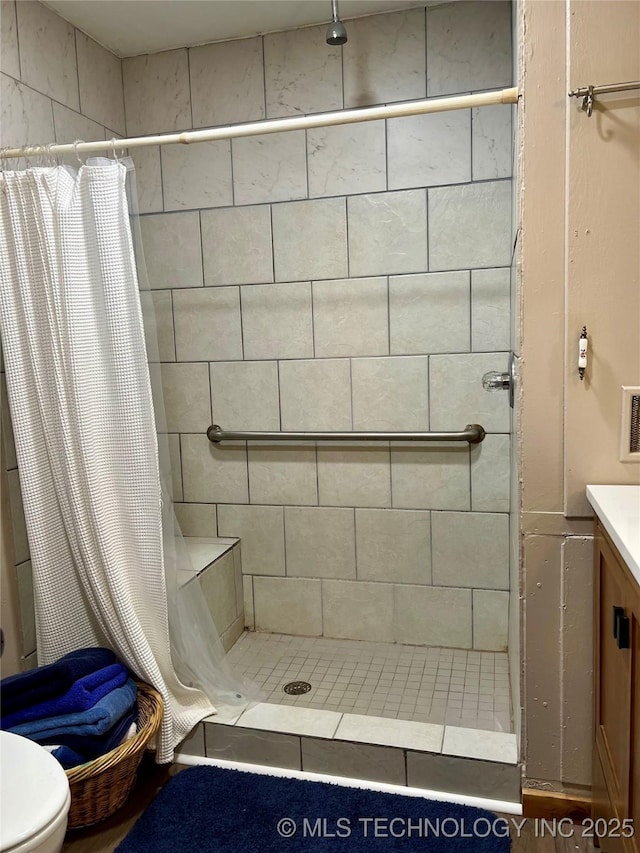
(454,687)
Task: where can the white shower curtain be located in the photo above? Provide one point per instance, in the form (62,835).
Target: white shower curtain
(81,403)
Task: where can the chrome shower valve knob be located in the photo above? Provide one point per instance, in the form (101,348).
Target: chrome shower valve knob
(495,381)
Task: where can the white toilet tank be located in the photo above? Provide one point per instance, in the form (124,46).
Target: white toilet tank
(34,797)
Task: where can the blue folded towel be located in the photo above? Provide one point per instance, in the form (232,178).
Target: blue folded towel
(79,697)
(46,682)
(68,757)
(93,721)
(74,750)
(93,747)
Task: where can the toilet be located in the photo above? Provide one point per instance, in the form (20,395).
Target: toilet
(34,797)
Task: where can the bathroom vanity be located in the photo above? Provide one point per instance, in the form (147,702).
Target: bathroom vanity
(616,723)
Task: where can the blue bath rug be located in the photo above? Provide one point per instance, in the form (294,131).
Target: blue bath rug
(213,810)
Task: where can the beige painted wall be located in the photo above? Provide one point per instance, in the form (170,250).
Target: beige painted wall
(579,265)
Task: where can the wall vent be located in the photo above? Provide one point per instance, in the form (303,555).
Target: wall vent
(630,431)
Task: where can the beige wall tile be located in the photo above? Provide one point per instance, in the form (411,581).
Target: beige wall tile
(499,747)
(282,474)
(320,542)
(347,159)
(490,620)
(9,56)
(490,310)
(515,288)
(244,395)
(249,616)
(469,47)
(236,245)
(429,313)
(100,78)
(464,776)
(354,474)
(237,567)
(288,605)
(470,549)
(297,720)
(357,610)
(385,731)
(387,233)
(271,167)
(196,176)
(145,77)
(196,519)
(207,323)
(163,313)
(390,393)
(315,395)
(351,317)
(47,55)
(302,73)
(433,616)
(492,142)
(277,320)
(211,473)
(434,476)
(70,125)
(148,178)
(219,590)
(227,82)
(187,399)
(172,249)
(256,747)
(175,463)
(355,760)
(490,469)
(393,546)
(429,150)
(261,531)
(25,114)
(386,59)
(469,225)
(193,744)
(457,396)
(320,248)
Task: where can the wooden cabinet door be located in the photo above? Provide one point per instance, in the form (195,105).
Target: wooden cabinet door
(633,844)
(613,703)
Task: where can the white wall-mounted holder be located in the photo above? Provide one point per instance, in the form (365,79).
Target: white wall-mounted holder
(630,424)
(583,345)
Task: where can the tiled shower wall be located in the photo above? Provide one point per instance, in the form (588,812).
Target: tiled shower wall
(57,85)
(352,277)
(341,278)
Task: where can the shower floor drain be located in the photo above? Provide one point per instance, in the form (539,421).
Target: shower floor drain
(296,688)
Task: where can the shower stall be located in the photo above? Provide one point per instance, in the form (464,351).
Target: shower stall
(348,279)
(351,279)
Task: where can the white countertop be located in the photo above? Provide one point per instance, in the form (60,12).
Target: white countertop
(618,507)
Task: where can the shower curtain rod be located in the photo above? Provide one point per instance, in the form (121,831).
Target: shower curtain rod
(255,128)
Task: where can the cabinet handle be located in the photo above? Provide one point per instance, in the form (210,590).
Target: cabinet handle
(617,613)
(621,628)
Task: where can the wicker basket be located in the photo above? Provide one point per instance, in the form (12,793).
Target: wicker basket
(100,787)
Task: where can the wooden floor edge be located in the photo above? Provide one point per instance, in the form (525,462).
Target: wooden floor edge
(553,804)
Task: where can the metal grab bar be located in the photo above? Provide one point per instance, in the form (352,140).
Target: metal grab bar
(473,433)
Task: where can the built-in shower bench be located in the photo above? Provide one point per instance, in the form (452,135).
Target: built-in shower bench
(217,567)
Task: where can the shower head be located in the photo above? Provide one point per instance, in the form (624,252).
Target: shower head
(336,31)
